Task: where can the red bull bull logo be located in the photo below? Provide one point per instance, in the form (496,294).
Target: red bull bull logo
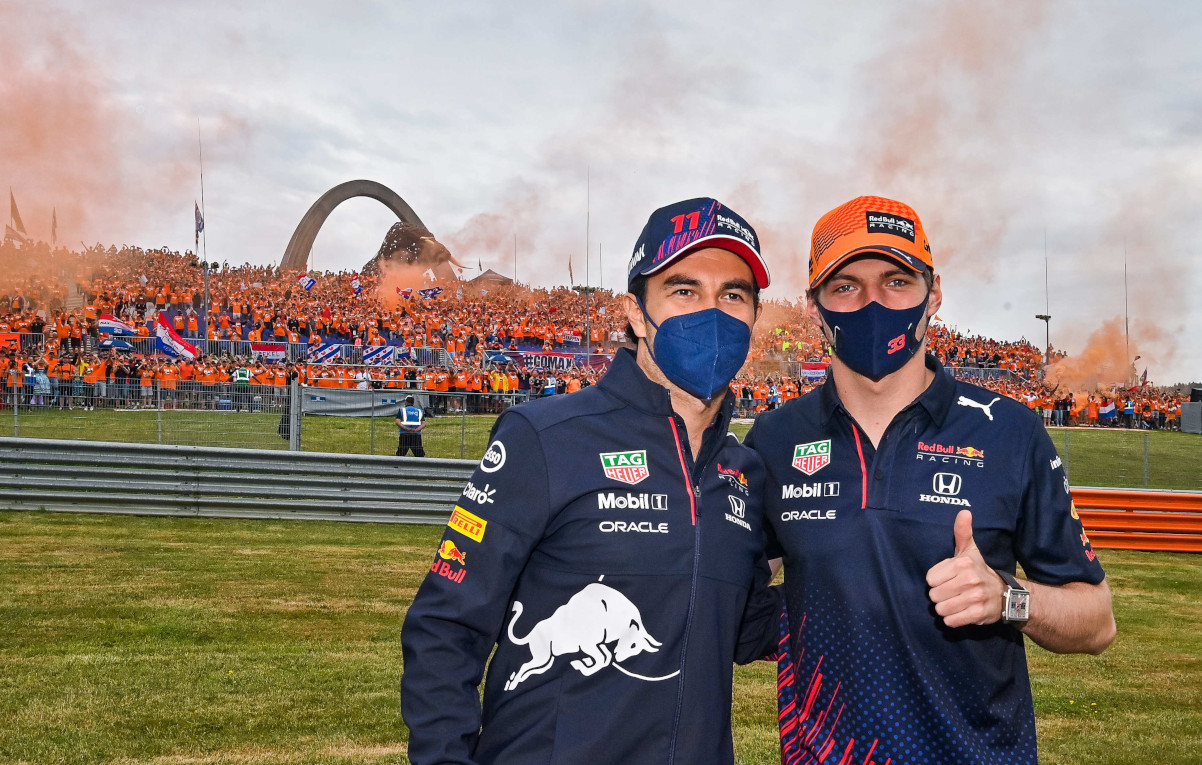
(971,451)
(449,554)
(449,551)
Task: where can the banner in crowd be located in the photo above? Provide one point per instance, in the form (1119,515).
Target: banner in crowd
(10,341)
(378,355)
(571,336)
(275,353)
(115,344)
(169,342)
(325,353)
(560,362)
(111,325)
(341,402)
(813,370)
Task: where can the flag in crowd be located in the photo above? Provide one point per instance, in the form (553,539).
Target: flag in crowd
(1107,412)
(306,281)
(378,355)
(325,353)
(356,285)
(111,325)
(200,224)
(115,344)
(15,214)
(143,279)
(275,353)
(169,342)
(405,293)
(431,293)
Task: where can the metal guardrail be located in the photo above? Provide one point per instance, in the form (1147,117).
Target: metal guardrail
(145,479)
(148,479)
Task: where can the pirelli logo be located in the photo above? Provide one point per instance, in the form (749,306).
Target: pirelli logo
(471,526)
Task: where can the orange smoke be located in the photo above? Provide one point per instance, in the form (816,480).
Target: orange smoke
(67,144)
(395,275)
(1100,365)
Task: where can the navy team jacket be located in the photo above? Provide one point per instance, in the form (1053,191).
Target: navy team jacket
(618,579)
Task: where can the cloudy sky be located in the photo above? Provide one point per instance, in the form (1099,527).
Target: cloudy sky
(1005,124)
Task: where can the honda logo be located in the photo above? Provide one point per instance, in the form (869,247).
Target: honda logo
(737,506)
(947,484)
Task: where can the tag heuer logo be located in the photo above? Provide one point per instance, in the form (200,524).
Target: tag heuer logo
(812,457)
(627,467)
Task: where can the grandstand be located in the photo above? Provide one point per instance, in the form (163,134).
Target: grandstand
(348,330)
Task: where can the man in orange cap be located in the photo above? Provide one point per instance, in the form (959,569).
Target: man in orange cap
(901,501)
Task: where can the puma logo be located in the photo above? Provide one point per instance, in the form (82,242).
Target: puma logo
(966,401)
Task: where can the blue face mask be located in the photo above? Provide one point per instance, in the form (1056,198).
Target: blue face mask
(700,352)
(874,340)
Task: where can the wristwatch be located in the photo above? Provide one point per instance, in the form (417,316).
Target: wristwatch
(1018,601)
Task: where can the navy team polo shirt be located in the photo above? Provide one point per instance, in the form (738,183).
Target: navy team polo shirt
(869,673)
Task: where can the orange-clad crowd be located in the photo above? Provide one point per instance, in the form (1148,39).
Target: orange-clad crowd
(53,300)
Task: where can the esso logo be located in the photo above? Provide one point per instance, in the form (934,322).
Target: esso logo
(494,458)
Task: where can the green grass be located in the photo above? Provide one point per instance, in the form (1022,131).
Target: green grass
(157,640)
(1093,457)
(1117,458)
(449,435)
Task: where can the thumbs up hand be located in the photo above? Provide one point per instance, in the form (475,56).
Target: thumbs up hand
(964,589)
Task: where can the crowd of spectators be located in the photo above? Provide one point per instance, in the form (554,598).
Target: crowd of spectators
(250,303)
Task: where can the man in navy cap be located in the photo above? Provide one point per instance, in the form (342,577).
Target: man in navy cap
(901,501)
(609,545)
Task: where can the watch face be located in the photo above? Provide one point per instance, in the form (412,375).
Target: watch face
(1018,605)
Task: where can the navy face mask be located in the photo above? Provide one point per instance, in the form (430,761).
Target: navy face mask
(700,352)
(874,340)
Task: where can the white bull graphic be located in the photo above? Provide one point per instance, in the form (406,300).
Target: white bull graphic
(591,619)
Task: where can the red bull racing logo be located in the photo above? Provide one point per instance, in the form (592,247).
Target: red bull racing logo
(812,457)
(627,467)
(950,454)
(448,554)
(734,477)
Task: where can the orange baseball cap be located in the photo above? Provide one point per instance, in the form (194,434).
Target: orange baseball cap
(868,225)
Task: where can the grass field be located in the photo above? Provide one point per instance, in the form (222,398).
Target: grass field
(1093,457)
(194,641)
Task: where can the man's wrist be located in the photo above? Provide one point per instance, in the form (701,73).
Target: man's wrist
(1016,601)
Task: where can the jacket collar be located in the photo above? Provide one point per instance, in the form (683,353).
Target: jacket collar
(936,399)
(627,382)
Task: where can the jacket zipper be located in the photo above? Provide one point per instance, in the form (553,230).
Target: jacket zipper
(694,494)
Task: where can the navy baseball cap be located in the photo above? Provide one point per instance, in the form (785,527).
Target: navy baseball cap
(678,229)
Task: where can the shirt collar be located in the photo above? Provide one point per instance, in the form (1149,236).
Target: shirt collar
(936,399)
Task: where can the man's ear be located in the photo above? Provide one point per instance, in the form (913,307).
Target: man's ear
(816,317)
(936,298)
(634,315)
